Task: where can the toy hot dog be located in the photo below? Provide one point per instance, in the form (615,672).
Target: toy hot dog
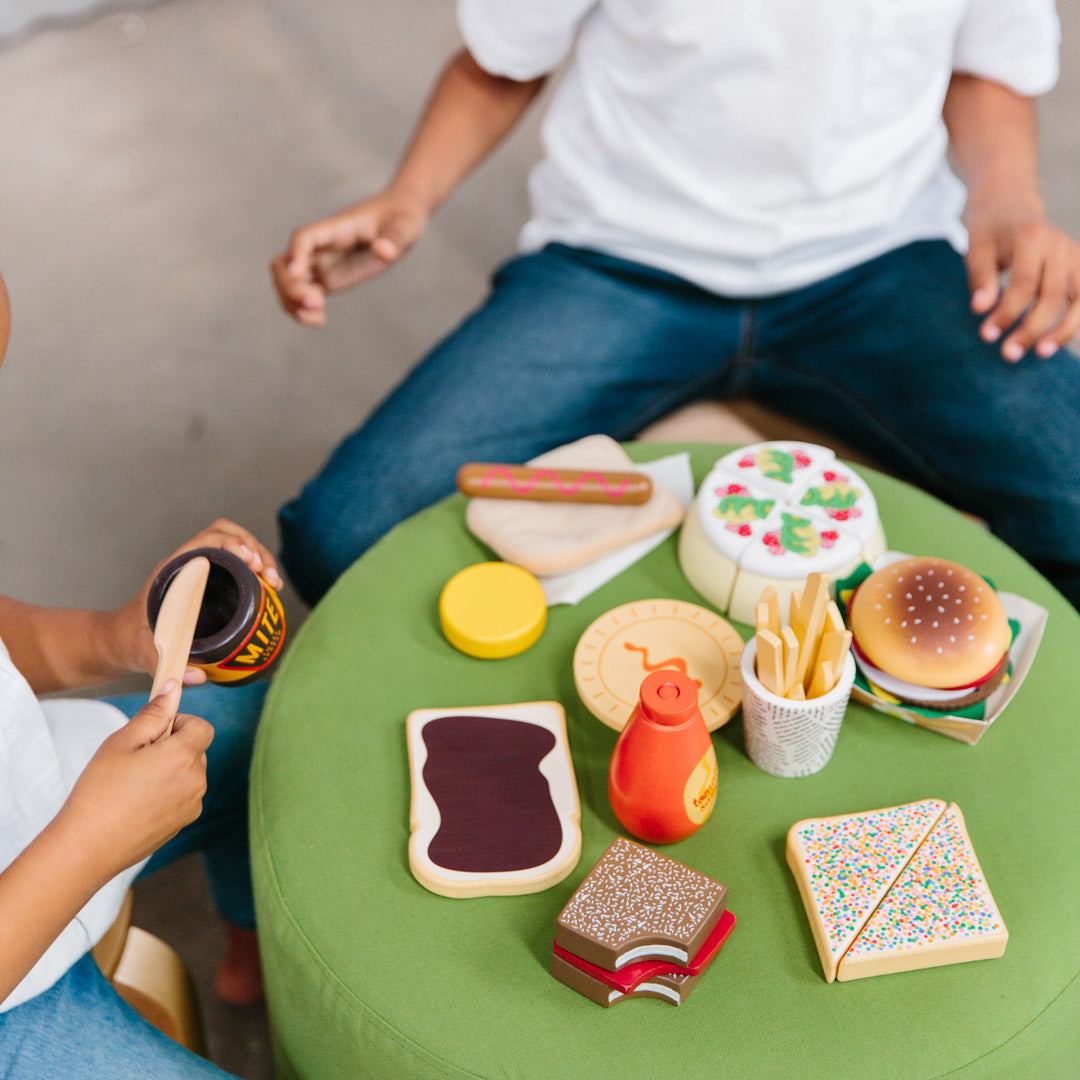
(492,481)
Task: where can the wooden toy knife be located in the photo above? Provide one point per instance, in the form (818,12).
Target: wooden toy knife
(175,627)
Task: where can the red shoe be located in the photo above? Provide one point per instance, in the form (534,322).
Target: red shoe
(239,981)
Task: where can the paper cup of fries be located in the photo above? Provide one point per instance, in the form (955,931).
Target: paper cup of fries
(789,737)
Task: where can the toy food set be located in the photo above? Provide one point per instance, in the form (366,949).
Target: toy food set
(894,890)
(935,644)
(663,774)
(772,514)
(492,481)
(556,537)
(492,610)
(637,918)
(494,799)
(240,628)
(625,644)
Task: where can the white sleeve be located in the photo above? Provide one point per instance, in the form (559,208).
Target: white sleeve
(1014,42)
(521,39)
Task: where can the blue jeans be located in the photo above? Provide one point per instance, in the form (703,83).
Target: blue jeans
(885,355)
(80,1028)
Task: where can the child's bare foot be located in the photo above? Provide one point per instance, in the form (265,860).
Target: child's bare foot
(238,980)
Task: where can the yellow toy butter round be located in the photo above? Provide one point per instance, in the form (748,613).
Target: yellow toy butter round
(621,647)
(493,609)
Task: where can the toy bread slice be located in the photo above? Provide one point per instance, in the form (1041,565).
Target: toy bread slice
(636,904)
(939,911)
(494,800)
(553,538)
(845,865)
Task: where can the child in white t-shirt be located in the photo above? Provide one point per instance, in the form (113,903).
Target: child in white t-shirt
(734,200)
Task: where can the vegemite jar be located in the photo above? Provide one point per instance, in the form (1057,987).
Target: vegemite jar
(241,623)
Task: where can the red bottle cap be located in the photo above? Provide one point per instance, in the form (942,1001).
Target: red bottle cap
(669,697)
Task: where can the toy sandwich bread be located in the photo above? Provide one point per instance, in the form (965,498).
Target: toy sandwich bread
(494,799)
(894,890)
(548,538)
(771,514)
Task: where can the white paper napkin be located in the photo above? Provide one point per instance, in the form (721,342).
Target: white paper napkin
(673,473)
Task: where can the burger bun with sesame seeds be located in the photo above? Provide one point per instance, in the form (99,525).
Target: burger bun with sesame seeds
(930,632)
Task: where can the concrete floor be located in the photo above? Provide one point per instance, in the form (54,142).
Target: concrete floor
(153,161)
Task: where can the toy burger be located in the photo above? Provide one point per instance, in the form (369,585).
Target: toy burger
(930,632)
(772,514)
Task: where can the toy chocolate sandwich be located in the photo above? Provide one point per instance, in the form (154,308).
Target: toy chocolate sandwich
(638,918)
(494,799)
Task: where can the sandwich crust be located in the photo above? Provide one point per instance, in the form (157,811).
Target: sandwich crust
(931,622)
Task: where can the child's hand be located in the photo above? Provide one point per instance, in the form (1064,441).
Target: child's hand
(1040,306)
(134,640)
(139,789)
(344,250)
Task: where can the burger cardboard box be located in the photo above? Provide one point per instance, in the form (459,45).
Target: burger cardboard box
(1027,619)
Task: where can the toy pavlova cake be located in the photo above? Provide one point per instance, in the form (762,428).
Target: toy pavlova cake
(771,514)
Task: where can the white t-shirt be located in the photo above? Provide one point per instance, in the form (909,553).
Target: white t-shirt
(44,745)
(753,146)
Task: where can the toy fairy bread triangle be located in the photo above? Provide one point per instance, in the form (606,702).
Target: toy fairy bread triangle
(882,898)
(845,865)
(939,911)
(555,537)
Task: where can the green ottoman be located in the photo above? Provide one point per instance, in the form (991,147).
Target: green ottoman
(370,975)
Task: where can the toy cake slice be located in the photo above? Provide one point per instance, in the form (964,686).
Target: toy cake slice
(845,866)
(636,904)
(494,799)
(771,514)
(939,911)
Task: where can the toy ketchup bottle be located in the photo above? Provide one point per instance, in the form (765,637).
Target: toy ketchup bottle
(241,624)
(662,779)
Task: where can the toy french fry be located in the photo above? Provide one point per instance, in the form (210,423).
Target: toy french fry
(822,680)
(770,661)
(833,619)
(791,656)
(834,644)
(796,693)
(794,605)
(812,620)
(768,609)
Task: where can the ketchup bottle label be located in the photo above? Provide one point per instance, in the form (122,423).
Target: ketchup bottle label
(700,791)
